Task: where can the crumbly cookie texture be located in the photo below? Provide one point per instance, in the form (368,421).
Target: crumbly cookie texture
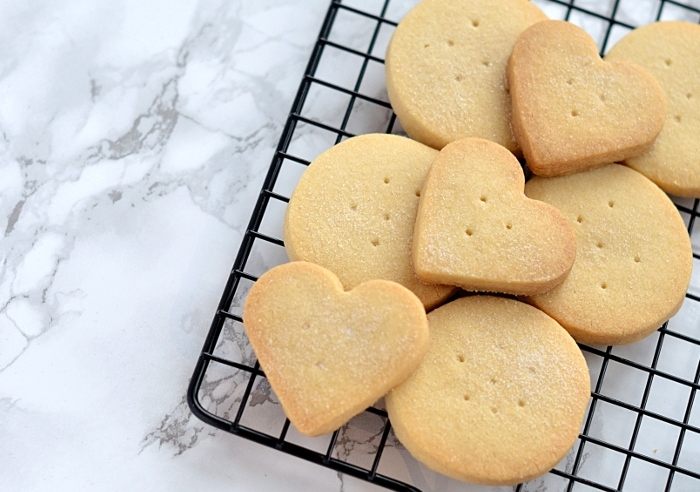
(634,257)
(500,396)
(573,111)
(670,51)
(354,208)
(445,69)
(475,227)
(329,354)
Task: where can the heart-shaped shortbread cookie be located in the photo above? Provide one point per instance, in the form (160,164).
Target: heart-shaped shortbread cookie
(329,354)
(476,228)
(573,111)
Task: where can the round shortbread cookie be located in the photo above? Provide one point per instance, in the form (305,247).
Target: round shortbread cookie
(445,69)
(500,396)
(671,52)
(354,208)
(329,354)
(633,258)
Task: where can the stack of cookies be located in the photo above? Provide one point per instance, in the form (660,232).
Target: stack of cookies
(487,388)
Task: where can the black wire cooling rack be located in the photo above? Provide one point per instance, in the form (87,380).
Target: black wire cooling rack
(642,428)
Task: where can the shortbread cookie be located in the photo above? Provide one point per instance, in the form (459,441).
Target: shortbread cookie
(476,228)
(634,256)
(445,68)
(354,208)
(329,354)
(571,110)
(671,52)
(500,396)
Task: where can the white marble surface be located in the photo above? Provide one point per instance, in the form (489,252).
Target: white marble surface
(134,138)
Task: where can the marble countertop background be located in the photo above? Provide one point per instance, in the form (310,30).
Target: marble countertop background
(134,139)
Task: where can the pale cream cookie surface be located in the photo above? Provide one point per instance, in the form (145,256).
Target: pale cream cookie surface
(573,111)
(475,227)
(633,260)
(500,396)
(329,354)
(445,69)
